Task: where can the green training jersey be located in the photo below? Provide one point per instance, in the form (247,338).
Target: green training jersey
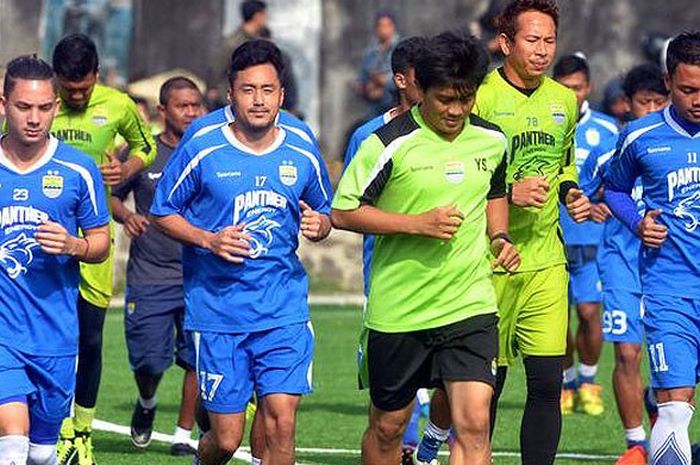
(93,131)
(405,167)
(540,128)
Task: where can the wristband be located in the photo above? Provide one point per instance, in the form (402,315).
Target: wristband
(502,235)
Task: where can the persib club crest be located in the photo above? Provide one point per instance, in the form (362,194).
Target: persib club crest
(52,184)
(593,137)
(558,113)
(454,171)
(288,173)
(99,117)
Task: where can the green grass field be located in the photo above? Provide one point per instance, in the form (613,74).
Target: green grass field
(335,415)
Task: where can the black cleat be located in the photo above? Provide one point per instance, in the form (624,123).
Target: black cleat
(142,425)
(180,449)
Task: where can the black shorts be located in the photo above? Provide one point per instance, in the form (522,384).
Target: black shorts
(401,363)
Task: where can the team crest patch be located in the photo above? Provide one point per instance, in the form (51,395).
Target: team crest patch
(558,113)
(593,137)
(288,174)
(52,184)
(99,118)
(454,171)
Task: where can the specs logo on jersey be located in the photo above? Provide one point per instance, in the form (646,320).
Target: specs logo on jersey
(558,113)
(260,232)
(16,254)
(288,173)
(454,171)
(689,210)
(592,137)
(52,184)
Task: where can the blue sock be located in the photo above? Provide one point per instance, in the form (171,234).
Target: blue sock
(570,385)
(432,441)
(585,379)
(644,443)
(410,437)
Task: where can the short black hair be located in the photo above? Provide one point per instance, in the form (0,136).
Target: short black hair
(175,83)
(250,8)
(646,77)
(684,48)
(570,64)
(385,14)
(508,21)
(454,59)
(26,67)
(75,56)
(406,53)
(255,52)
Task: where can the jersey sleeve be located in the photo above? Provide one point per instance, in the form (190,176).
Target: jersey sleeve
(498,180)
(568,172)
(178,185)
(365,177)
(624,167)
(138,137)
(318,190)
(351,150)
(92,211)
(593,170)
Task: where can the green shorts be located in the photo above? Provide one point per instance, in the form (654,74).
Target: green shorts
(533,311)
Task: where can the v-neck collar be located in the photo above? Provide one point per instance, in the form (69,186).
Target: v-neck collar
(231,138)
(43,160)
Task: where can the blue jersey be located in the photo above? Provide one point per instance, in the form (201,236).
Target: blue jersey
(657,149)
(618,252)
(215,181)
(593,132)
(360,134)
(39,291)
(224,115)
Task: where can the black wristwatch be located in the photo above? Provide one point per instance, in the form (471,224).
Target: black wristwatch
(502,235)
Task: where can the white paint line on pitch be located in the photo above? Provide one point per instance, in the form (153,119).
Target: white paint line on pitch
(243,454)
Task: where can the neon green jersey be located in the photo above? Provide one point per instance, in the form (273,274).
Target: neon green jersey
(541,130)
(93,131)
(404,167)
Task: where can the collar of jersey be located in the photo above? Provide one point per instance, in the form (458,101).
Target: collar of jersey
(585,112)
(228,133)
(527,93)
(44,159)
(671,121)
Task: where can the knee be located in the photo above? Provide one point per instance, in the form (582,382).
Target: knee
(279,428)
(227,443)
(589,315)
(388,430)
(628,359)
(473,427)
(544,377)
(41,454)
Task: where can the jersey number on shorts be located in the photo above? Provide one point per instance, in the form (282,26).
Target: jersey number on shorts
(208,384)
(657,356)
(614,322)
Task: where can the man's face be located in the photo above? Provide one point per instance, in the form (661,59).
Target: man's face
(29,110)
(579,84)
(260,20)
(256,96)
(183,107)
(445,109)
(76,94)
(685,91)
(406,82)
(532,49)
(644,102)
(385,29)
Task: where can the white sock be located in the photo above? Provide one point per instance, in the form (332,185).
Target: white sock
(570,374)
(254,461)
(423,396)
(587,371)
(435,432)
(42,454)
(181,436)
(669,436)
(635,434)
(14,450)
(148,403)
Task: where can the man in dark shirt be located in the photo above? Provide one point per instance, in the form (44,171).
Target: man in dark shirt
(154,308)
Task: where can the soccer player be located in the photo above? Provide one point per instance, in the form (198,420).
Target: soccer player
(90,117)
(618,262)
(662,148)
(538,116)
(50,192)
(430,184)
(593,130)
(237,198)
(155,302)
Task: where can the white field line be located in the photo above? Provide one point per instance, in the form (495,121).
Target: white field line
(243,452)
(356,300)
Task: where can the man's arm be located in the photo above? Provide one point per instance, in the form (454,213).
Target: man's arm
(134,223)
(54,239)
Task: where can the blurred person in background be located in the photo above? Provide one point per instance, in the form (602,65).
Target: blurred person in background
(615,102)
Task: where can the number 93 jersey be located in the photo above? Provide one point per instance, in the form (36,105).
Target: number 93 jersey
(214,181)
(39,291)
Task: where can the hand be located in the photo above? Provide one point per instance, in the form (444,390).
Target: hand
(650,232)
(578,205)
(314,225)
(231,244)
(530,192)
(112,171)
(439,223)
(54,239)
(506,255)
(600,212)
(135,225)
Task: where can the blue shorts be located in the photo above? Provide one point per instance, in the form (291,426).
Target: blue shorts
(584,280)
(622,316)
(45,384)
(153,321)
(672,330)
(231,367)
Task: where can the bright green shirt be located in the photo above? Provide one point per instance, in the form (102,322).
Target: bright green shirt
(405,167)
(93,131)
(541,131)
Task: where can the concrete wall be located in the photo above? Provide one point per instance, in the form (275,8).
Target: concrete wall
(19,28)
